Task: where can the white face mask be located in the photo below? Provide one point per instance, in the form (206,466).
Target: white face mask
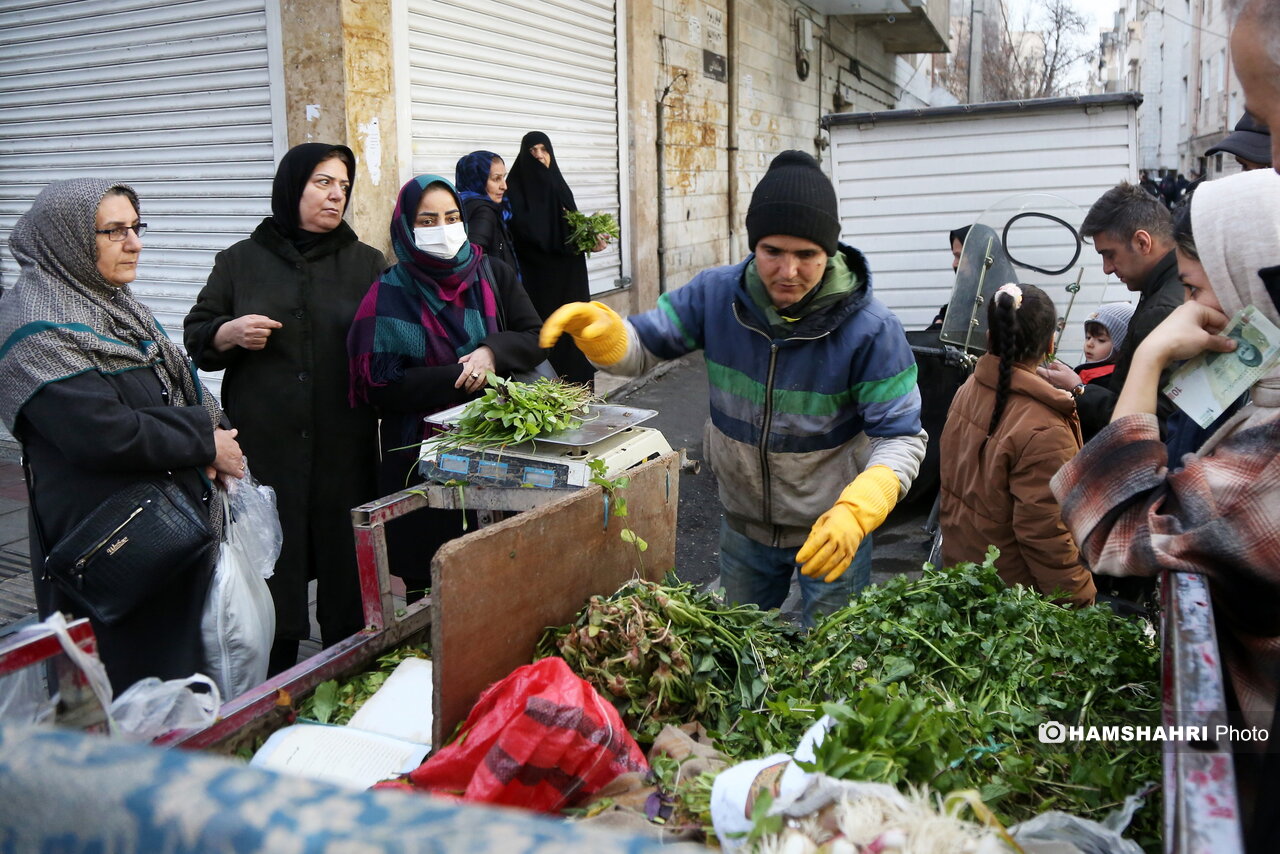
(441,241)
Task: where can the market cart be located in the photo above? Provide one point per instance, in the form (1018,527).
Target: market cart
(493,591)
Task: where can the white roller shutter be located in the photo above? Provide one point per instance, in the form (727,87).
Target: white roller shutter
(482,73)
(171,97)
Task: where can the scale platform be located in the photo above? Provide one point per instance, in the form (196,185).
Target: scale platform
(556,461)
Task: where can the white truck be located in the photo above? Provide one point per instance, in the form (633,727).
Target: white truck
(906,178)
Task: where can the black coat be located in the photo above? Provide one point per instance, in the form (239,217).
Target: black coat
(413,541)
(486,229)
(1161,294)
(86,437)
(289,401)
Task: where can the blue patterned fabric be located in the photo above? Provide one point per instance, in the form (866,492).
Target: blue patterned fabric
(65,791)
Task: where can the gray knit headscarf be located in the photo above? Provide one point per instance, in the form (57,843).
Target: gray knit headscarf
(63,318)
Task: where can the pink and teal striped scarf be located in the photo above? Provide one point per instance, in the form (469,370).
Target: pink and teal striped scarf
(423,311)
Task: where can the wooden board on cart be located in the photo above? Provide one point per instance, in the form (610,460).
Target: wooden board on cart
(496,590)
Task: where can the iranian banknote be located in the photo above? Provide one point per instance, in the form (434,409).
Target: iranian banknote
(1203,387)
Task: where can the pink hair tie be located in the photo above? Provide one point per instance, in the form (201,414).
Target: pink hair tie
(1014,291)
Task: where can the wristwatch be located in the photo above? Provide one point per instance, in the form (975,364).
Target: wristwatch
(1078,391)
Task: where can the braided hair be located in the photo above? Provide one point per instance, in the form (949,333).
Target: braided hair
(1020,329)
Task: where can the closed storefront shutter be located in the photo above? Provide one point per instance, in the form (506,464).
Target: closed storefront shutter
(482,73)
(171,97)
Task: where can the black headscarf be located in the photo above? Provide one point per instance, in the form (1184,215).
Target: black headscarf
(539,197)
(291,179)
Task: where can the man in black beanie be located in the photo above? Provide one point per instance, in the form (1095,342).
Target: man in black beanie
(815,416)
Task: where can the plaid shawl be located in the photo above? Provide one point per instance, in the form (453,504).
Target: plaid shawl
(423,311)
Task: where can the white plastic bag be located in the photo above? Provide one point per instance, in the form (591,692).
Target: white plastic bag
(24,695)
(258,531)
(150,707)
(24,698)
(238,625)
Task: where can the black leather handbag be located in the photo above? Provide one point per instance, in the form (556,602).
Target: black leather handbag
(138,541)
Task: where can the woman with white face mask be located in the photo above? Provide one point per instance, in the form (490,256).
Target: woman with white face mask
(424,339)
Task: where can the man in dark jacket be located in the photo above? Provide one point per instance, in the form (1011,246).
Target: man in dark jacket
(1133,233)
(815,415)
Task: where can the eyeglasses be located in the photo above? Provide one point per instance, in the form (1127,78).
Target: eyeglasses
(120,232)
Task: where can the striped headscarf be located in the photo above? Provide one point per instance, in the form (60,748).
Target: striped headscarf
(423,311)
(63,318)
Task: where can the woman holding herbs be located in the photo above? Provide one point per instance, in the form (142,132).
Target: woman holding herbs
(424,339)
(553,269)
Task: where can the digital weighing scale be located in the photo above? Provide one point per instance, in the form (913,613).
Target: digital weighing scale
(555,461)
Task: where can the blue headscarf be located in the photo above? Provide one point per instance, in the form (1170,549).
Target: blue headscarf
(472,174)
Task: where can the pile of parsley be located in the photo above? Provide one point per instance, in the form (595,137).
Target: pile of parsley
(944,681)
(940,682)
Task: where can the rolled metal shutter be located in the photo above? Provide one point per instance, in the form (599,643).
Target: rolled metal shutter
(482,73)
(171,97)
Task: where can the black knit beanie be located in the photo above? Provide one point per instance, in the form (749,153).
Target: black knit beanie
(794,198)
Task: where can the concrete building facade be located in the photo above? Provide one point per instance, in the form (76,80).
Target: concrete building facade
(1177,55)
(682,105)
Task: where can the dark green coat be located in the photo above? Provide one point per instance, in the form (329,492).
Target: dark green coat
(289,401)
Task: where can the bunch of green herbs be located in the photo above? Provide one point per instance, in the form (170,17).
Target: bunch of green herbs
(941,682)
(510,412)
(335,702)
(585,229)
(944,682)
(666,653)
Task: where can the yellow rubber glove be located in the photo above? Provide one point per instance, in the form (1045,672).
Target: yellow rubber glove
(596,329)
(835,537)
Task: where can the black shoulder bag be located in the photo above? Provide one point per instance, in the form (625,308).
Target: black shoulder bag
(139,540)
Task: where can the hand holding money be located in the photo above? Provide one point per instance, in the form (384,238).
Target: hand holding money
(1224,366)
(1191,329)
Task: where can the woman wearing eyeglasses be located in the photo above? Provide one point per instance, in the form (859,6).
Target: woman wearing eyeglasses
(100,398)
(274,316)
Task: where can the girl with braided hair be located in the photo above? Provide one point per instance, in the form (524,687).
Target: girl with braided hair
(1008,432)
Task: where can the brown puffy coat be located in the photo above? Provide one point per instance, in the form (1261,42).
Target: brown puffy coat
(995,491)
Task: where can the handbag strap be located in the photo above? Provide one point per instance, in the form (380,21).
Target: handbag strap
(31,506)
(487,269)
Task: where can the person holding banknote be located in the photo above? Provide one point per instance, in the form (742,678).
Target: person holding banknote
(1133,516)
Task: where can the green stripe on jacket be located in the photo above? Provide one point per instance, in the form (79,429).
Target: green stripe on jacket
(811,402)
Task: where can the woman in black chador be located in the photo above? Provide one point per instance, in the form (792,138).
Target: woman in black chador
(554,271)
